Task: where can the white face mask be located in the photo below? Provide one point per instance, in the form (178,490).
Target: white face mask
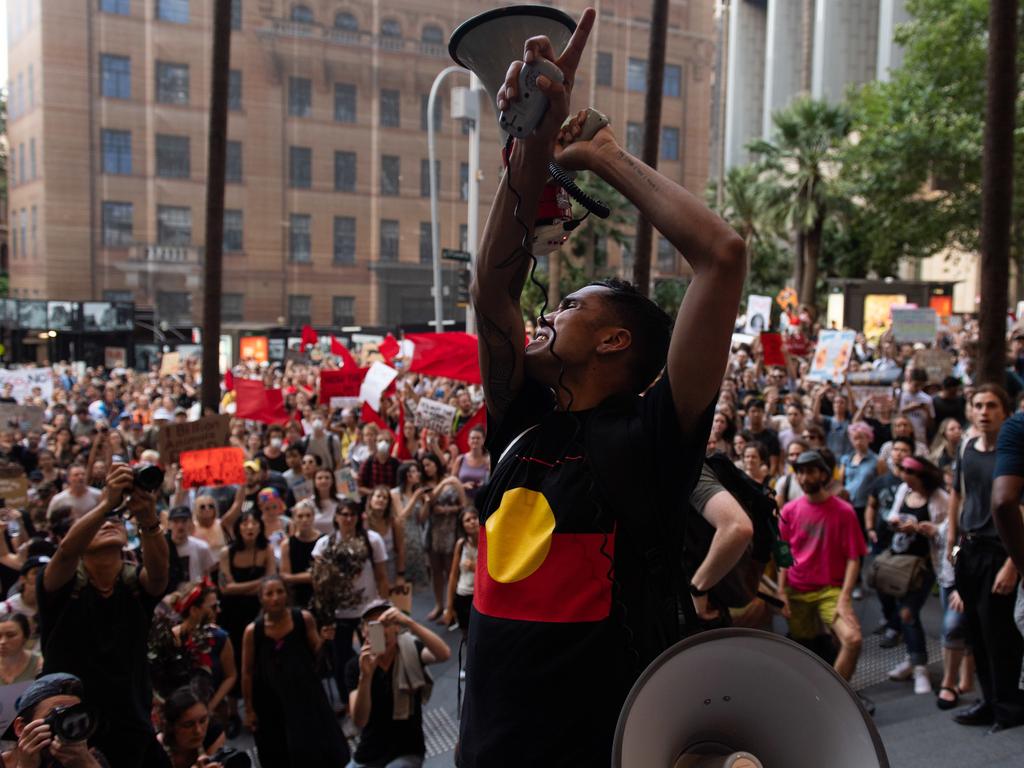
(318,424)
(383,446)
(276,442)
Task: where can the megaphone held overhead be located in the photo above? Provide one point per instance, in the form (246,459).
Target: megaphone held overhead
(740,698)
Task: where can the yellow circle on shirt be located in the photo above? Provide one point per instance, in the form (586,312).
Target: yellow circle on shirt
(518,535)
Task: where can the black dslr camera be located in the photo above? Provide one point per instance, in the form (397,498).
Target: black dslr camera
(73,723)
(148,477)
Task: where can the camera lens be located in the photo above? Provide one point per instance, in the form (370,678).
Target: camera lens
(148,477)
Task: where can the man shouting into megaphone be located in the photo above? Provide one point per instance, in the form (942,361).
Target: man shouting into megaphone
(601,424)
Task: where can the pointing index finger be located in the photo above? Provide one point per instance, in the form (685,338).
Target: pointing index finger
(570,57)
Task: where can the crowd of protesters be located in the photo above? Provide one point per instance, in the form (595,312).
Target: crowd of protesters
(183,615)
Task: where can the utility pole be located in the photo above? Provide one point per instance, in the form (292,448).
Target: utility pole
(652,135)
(216,159)
(997,189)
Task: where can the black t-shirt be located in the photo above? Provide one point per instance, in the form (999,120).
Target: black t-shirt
(883,490)
(549,662)
(278,464)
(953,408)
(972,479)
(913,543)
(883,434)
(383,738)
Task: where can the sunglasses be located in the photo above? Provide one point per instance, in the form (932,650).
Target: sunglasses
(207,506)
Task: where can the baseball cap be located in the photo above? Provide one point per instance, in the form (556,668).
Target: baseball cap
(47,686)
(254,465)
(376,606)
(811,459)
(161,414)
(180,513)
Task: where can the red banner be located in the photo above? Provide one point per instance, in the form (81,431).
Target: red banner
(212,466)
(452,355)
(771,344)
(255,402)
(341,383)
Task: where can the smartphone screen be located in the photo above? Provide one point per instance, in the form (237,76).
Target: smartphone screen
(375,631)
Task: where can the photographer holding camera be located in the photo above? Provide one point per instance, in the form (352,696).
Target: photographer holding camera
(95,612)
(52,726)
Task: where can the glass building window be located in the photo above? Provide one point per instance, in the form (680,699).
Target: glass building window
(300,309)
(235,90)
(426,243)
(121,7)
(634,138)
(236,14)
(346,22)
(173,225)
(343,311)
(172,10)
(425,177)
(31,86)
(117,224)
(666,255)
(233,163)
(432,35)
(300,167)
(344,240)
(232,306)
(390,116)
(35,227)
(345,171)
(173,156)
(389,238)
(669,143)
(232,231)
(424,102)
(115,76)
(21,162)
(390,174)
(300,246)
(344,102)
(171,83)
(673,82)
(604,68)
(174,306)
(302,14)
(32,169)
(636,75)
(390,28)
(300,96)
(117,152)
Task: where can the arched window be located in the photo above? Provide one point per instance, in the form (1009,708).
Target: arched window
(390,28)
(302,14)
(346,21)
(433,35)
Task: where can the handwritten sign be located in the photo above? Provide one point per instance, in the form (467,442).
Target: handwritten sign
(914,325)
(14,486)
(938,363)
(24,380)
(22,417)
(439,417)
(832,355)
(344,382)
(208,432)
(212,467)
(170,363)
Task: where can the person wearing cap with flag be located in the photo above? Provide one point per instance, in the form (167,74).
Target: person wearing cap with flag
(825,538)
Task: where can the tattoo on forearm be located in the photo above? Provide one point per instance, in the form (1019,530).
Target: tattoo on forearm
(500,364)
(638,170)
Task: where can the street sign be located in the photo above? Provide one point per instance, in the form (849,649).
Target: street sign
(448,253)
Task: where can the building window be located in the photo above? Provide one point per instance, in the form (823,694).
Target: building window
(345,171)
(302,14)
(390,174)
(235,90)
(120,7)
(666,255)
(344,240)
(463,237)
(300,246)
(173,157)
(35,224)
(172,10)
(463,181)
(115,76)
(634,138)
(23,217)
(117,224)
(390,117)
(31,86)
(171,83)
(426,243)
(21,94)
(346,22)
(117,152)
(604,68)
(300,167)
(173,225)
(343,311)
(174,306)
(344,102)
(425,177)
(636,75)
(118,296)
(32,173)
(21,163)
(236,14)
(388,240)
(673,80)
(232,231)
(233,163)
(669,143)
(300,96)
(14,166)
(231,306)
(300,309)
(390,28)
(432,35)
(424,102)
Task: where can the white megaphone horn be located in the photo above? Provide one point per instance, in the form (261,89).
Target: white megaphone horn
(741,698)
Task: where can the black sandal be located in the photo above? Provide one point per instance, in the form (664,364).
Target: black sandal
(943,703)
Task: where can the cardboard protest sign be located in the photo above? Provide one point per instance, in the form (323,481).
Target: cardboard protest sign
(759,314)
(937,362)
(208,432)
(771,345)
(115,357)
(22,417)
(431,414)
(24,380)
(14,486)
(255,348)
(170,363)
(832,355)
(875,393)
(914,325)
(787,299)
(212,467)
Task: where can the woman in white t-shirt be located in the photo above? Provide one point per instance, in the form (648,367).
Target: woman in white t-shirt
(349,571)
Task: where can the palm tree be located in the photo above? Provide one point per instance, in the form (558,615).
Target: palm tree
(798,167)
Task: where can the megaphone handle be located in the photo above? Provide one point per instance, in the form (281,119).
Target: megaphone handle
(595,122)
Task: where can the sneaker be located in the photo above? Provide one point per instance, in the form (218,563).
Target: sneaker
(890,639)
(902,672)
(922,683)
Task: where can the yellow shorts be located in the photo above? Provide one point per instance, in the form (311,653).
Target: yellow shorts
(807,609)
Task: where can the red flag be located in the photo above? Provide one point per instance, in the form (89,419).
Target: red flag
(771,344)
(308,337)
(389,348)
(257,403)
(462,436)
(370,416)
(339,349)
(229,380)
(341,383)
(452,355)
(401,449)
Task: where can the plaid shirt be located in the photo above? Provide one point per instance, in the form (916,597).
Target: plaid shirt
(374,473)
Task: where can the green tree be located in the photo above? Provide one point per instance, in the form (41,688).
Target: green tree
(799,167)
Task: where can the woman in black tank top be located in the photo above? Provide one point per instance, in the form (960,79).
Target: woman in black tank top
(297,554)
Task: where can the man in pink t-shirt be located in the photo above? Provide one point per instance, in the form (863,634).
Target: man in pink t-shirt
(826,541)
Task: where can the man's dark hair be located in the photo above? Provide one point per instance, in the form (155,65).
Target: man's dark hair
(648,324)
(998,392)
(919,375)
(907,441)
(757,403)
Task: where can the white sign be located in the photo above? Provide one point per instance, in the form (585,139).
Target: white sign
(759,314)
(340,403)
(914,325)
(434,415)
(24,380)
(377,379)
(832,356)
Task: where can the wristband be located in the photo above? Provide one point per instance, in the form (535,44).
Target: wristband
(698,592)
(151,530)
